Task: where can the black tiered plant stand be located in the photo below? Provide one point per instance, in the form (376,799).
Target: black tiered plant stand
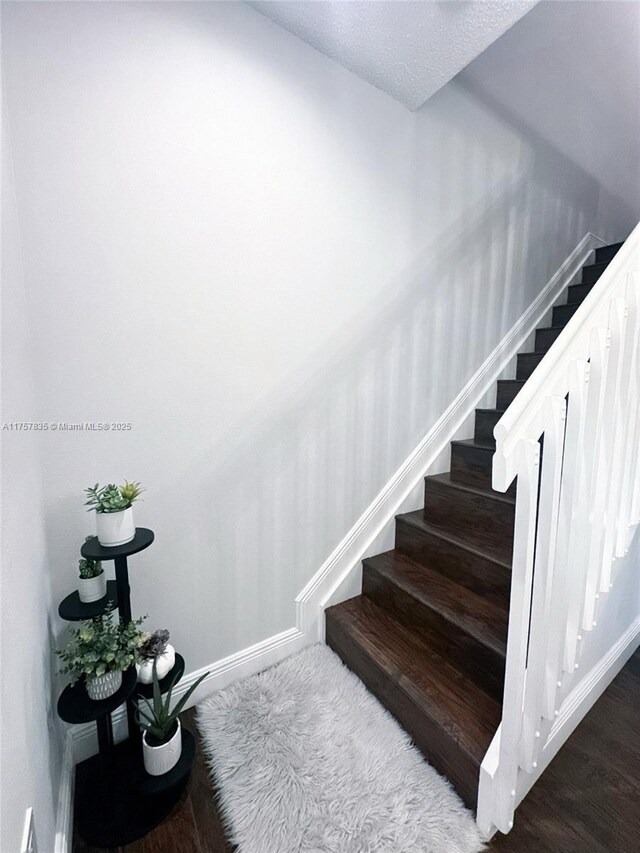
(117,801)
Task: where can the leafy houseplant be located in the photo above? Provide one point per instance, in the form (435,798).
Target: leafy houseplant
(161,730)
(155,649)
(114,514)
(100,650)
(92,585)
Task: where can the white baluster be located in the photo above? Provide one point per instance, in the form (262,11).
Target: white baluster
(615,411)
(527,465)
(573,541)
(554,413)
(565,579)
(630,418)
(598,359)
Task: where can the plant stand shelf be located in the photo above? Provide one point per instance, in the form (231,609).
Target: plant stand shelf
(115,810)
(73,610)
(176,672)
(117,800)
(75,705)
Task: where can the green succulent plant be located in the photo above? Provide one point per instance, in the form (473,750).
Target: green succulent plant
(101,645)
(112,498)
(157,719)
(131,491)
(89,568)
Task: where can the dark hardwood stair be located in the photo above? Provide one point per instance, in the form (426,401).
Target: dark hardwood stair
(428,633)
(545,337)
(607,253)
(450,719)
(482,517)
(461,559)
(467,627)
(592,272)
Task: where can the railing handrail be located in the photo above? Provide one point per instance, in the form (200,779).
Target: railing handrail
(577,505)
(518,421)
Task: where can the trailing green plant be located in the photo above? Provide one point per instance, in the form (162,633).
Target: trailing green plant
(158,720)
(112,498)
(101,645)
(154,644)
(89,568)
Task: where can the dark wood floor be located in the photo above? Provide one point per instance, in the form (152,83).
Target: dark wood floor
(588,800)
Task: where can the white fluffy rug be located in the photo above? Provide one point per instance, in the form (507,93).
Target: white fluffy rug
(306,760)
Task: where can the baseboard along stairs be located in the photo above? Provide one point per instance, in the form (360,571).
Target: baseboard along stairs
(428,634)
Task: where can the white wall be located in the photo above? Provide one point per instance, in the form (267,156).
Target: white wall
(277,274)
(616,611)
(570,72)
(30,741)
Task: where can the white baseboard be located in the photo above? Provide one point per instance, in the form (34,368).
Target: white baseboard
(312,600)
(241,664)
(64,815)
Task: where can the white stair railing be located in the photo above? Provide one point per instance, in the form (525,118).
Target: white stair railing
(572,439)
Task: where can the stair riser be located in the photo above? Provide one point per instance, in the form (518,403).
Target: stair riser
(591,274)
(577,292)
(479,574)
(438,747)
(563,313)
(527,363)
(606,253)
(471,465)
(490,518)
(508,390)
(545,338)
(484,665)
(485,422)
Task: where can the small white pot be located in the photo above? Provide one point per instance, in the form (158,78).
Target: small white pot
(160,759)
(92,589)
(115,528)
(104,686)
(164,665)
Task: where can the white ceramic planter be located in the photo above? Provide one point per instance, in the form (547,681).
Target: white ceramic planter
(160,759)
(164,665)
(104,685)
(92,589)
(115,528)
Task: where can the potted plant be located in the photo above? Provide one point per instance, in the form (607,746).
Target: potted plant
(155,649)
(161,729)
(100,650)
(114,513)
(92,585)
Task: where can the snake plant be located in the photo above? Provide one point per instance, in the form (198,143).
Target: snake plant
(157,719)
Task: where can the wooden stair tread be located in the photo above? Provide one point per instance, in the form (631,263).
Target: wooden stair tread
(471,442)
(443,693)
(484,619)
(466,487)
(492,409)
(416,518)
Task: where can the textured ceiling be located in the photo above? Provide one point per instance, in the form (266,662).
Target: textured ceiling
(407,49)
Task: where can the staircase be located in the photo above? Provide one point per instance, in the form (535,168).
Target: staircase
(428,633)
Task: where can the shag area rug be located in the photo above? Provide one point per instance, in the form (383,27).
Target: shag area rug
(306,760)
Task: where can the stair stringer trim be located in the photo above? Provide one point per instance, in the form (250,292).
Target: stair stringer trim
(347,556)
